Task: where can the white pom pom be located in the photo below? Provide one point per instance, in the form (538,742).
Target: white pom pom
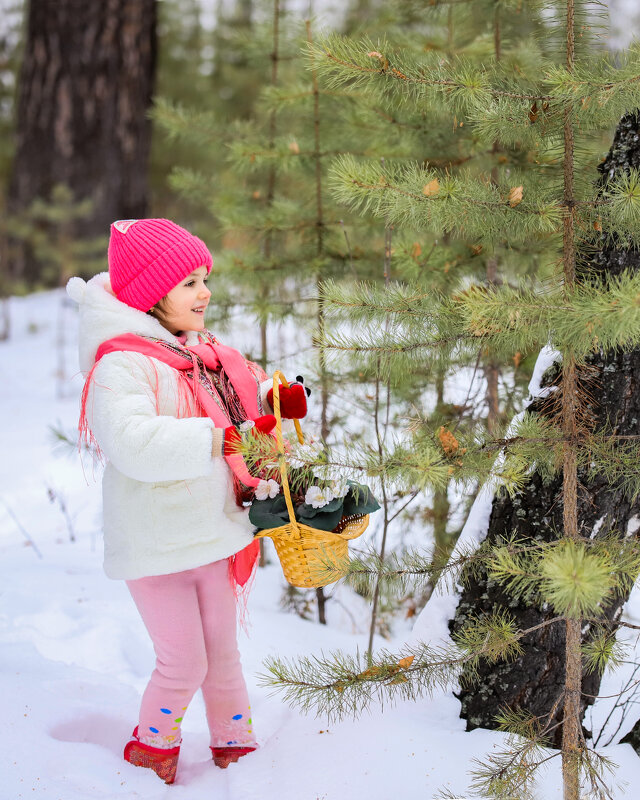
(76,288)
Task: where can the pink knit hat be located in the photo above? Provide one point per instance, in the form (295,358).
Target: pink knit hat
(148,257)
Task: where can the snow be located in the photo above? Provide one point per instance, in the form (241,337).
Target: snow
(432,623)
(76,657)
(612,717)
(546,357)
(632,526)
(596,527)
(625,23)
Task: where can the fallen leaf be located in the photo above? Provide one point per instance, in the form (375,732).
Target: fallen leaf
(597,225)
(416,250)
(517,359)
(533,112)
(373,672)
(448,441)
(432,188)
(384,61)
(515,196)
(406,662)
(294,147)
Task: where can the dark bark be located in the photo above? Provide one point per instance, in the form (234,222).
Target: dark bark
(322,605)
(633,737)
(535,681)
(84,92)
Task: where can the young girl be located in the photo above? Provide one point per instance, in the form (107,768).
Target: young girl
(163,401)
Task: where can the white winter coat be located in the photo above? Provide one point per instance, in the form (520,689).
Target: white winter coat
(168,504)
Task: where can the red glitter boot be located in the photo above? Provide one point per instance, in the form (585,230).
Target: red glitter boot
(164,762)
(223,756)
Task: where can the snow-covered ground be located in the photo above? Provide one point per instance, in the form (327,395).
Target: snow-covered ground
(75,658)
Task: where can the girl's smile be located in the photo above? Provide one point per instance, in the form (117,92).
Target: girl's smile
(184,307)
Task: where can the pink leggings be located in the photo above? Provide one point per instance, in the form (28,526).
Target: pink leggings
(191,618)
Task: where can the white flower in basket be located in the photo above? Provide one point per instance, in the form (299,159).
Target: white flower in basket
(267,489)
(340,488)
(317,497)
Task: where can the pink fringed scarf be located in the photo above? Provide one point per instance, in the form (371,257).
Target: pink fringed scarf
(242,402)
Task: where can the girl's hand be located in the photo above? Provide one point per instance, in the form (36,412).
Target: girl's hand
(293,399)
(233,437)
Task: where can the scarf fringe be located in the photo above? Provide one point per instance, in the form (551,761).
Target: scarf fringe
(85,434)
(241,585)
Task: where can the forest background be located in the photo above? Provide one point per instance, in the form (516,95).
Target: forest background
(230,155)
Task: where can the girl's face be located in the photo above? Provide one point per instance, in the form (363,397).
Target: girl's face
(184,306)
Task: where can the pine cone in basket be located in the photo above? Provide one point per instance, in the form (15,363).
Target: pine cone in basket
(345,521)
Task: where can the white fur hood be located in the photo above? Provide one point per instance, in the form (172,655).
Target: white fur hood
(103,316)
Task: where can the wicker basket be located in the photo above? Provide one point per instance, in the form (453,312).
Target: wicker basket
(307,554)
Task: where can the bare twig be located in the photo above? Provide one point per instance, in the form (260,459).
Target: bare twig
(22,529)
(62,505)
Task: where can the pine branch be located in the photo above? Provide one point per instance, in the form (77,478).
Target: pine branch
(592,316)
(411,196)
(343,61)
(338,685)
(510,770)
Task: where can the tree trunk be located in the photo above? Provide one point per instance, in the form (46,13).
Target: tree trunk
(443,541)
(633,737)
(535,680)
(84,92)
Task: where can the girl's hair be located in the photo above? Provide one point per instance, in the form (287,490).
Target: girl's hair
(159,310)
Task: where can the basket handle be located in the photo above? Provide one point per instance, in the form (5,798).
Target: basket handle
(278,378)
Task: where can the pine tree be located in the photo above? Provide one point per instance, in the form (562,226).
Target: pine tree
(204,83)
(534,514)
(283,233)
(397,133)
(385,130)
(48,229)
(549,203)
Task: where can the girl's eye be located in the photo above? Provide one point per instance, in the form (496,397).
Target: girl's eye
(190,283)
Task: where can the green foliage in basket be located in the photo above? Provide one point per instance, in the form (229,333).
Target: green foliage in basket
(321,506)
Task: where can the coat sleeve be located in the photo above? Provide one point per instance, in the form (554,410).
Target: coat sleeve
(122,412)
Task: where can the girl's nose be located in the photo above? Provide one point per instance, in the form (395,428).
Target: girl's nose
(205,292)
